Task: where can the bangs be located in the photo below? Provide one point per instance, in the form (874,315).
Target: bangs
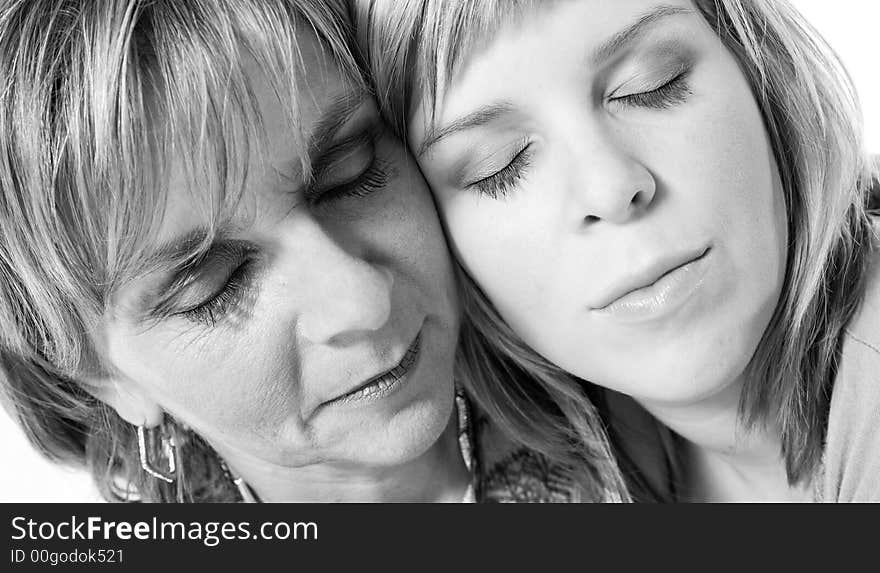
(430,41)
(454,31)
(193,102)
(101,98)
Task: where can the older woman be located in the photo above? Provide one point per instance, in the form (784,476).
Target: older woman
(221,277)
(667,199)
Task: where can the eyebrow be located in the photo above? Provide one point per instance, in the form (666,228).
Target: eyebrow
(637,29)
(183,247)
(482,116)
(337,114)
(608,48)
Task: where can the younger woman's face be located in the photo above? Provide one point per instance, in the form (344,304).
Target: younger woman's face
(320,327)
(604,175)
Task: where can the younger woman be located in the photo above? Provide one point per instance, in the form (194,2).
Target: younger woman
(668,200)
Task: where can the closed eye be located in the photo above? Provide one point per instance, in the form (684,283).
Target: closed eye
(355,172)
(671,93)
(223,301)
(210,288)
(502,182)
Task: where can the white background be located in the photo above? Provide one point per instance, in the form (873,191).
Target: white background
(850,26)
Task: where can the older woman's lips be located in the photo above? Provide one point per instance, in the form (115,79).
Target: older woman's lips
(385,384)
(669,291)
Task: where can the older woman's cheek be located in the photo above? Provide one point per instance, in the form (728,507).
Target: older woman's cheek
(219,379)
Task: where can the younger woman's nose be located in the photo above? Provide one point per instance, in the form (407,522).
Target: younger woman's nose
(610,185)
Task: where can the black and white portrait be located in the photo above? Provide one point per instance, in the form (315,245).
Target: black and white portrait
(457,251)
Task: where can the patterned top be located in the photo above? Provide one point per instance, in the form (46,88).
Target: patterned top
(514,474)
(527,477)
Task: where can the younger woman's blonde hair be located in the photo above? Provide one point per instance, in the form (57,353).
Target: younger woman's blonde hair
(96,98)
(413,49)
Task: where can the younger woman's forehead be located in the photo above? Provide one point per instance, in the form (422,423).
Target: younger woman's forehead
(457,34)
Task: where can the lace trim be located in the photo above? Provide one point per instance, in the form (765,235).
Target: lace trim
(527,477)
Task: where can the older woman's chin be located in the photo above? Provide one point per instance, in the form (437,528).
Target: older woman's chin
(408,434)
(387,430)
(407,422)
(385,435)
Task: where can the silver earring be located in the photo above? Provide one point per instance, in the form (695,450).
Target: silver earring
(155,444)
(244,490)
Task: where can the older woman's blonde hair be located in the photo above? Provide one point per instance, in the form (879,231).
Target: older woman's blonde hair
(413,49)
(96,97)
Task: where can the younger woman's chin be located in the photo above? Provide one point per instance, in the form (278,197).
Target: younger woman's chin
(683,383)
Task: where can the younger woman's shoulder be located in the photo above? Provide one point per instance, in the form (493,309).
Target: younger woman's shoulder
(852,444)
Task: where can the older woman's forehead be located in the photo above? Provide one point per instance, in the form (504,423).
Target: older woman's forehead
(275,155)
(179,154)
(293,127)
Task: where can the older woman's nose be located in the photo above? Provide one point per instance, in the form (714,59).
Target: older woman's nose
(343,297)
(610,185)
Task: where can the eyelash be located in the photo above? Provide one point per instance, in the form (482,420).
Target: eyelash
(501,183)
(373,178)
(218,305)
(672,93)
(208,313)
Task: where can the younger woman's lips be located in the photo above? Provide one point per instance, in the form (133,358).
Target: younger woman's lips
(666,294)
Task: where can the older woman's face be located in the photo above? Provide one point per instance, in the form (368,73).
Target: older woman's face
(321,326)
(613,192)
